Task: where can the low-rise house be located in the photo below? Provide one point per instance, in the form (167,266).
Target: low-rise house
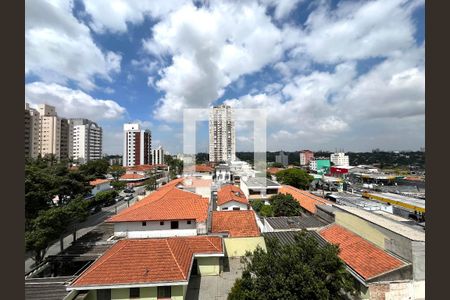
(239,229)
(259,187)
(166,212)
(307,200)
(99,185)
(230,197)
(222,174)
(197,185)
(150,268)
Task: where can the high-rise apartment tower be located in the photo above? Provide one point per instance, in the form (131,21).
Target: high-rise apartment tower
(222,134)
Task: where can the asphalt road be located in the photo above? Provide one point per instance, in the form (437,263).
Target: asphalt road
(84,227)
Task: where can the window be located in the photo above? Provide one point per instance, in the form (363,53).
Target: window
(164,292)
(144,223)
(135,293)
(236,208)
(189,222)
(161,223)
(104,294)
(225,208)
(174,225)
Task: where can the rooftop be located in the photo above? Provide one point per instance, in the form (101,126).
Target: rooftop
(132,176)
(260,182)
(196,182)
(230,193)
(143,168)
(49,288)
(288,237)
(306,199)
(399,198)
(145,261)
(166,203)
(298,222)
(237,223)
(98,181)
(394,226)
(360,255)
(274,170)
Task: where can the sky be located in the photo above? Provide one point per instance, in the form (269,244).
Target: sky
(329,74)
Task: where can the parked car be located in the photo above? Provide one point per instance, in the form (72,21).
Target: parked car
(95,209)
(129,197)
(119,198)
(128,191)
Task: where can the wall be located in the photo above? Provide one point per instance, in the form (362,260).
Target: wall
(230,205)
(208,266)
(397,290)
(411,251)
(239,245)
(100,187)
(147,293)
(154,229)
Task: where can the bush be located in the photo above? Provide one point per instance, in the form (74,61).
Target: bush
(266,211)
(257,204)
(284,205)
(295,177)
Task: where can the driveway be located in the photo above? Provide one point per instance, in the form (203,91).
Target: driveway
(215,287)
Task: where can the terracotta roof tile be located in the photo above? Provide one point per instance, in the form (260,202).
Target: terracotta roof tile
(131,176)
(204,168)
(362,256)
(167,203)
(230,193)
(274,170)
(237,223)
(98,181)
(307,200)
(134,261)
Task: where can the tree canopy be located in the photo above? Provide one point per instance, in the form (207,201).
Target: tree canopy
(302,270)
(284,205)
(295,177)
(95,168)
(116,172)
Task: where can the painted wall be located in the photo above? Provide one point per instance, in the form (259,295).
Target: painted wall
(238,246)
(411,251)
(154,229)
(208,266)
(147,293)
(230,205)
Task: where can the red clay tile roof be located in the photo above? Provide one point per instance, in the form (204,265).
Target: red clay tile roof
(167,203)
(237,223)
(144,261)
(98,181)
(307,200)
(203,168)
(196,182)
(131,177)
(230,193)
(359,254)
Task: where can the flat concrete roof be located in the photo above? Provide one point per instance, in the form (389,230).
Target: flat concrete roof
(260,182)
(389,224)
(400,198)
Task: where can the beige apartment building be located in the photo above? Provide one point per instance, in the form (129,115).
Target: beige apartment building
(50,131)
(222,141)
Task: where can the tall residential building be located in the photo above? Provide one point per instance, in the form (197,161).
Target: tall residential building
(137,145)
(305,157)
(50,131)
(339,159)
(27,131)
(282,158)
(85,140)
(222,134)
(158,156)
(65,139)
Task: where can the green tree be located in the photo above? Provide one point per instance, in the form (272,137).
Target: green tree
(95,168)
(295,177)
(266,211)
(116,172)
(118,185)
(257,204)
(284,205)
(104,197)
(302,270)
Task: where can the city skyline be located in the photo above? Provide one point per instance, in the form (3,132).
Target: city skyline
(360,88)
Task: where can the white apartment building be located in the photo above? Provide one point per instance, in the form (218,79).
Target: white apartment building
(137,145)
(50,131)
(32,128)
(158,156)
(339,159)
(86,140)
(222,134)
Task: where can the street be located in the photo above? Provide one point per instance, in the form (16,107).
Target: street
(84,227)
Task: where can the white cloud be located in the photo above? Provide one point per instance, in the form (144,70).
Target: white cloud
(114,15)
(72,103)
(282,7)
(59,48)
(358,30)
(210,48)
(144,124)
